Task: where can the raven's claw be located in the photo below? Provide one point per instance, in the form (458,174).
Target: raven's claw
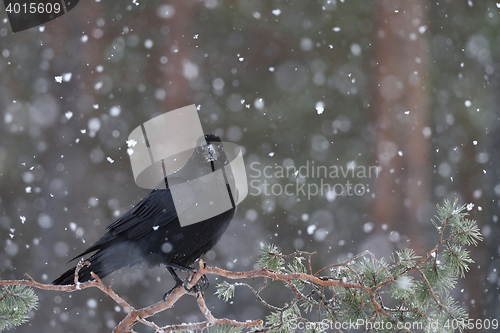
(177,283)
(198,288)
(201,285)
(205,281)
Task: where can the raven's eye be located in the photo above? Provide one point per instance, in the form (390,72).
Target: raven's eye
(211,153)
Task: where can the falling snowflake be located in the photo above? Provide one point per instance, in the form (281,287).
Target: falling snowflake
(259,103)
(131,143)
(115,111)
(310,229)
(320,107)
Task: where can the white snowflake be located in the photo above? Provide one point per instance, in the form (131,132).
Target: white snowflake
(131,143)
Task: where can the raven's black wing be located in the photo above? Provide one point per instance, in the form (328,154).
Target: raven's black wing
(117,248)
(156,210)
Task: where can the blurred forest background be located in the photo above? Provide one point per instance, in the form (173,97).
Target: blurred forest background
(410,86)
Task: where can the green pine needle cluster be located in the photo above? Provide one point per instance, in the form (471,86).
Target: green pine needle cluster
(15,303)
(270,257)
(283,321)
(225,290)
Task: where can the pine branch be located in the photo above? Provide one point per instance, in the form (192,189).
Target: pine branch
(350,291)
(15,302)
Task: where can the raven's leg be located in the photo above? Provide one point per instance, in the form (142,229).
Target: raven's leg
(204,279)
(178,282)
(180,268)
(176,277)
(202,283)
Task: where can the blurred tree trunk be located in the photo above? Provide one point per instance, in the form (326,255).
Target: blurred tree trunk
(469,180)
(401,111)
(178,47)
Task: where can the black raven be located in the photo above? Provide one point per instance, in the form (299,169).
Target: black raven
(151,232)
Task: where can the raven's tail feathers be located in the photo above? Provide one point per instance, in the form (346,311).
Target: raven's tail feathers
(97,265)
(68,277)
(102,263)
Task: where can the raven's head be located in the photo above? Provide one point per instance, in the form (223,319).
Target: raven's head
(208,156)
(209,149)
(207,175)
